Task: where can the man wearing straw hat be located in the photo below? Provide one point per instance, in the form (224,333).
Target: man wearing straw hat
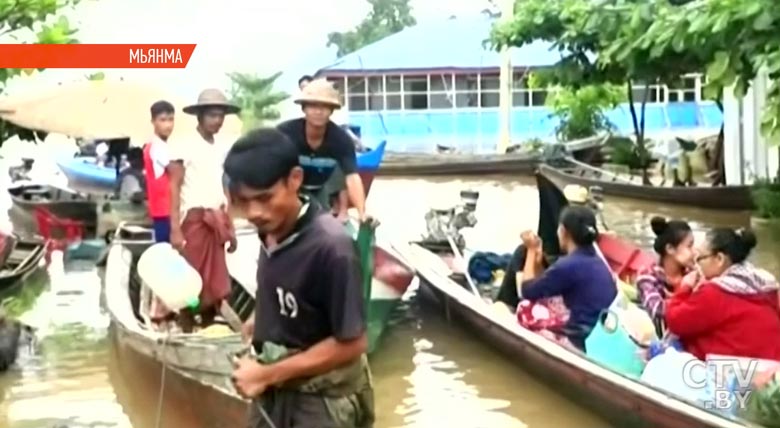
(200,226)
(327,152)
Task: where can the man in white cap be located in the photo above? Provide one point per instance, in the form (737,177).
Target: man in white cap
(327,152)
(200,226)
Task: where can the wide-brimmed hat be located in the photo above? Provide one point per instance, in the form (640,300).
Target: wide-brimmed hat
(319,91)
(212,98)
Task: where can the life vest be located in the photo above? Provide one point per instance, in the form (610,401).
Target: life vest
(158,191)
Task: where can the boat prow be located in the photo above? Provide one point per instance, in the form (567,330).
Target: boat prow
(619,398)
(198,364)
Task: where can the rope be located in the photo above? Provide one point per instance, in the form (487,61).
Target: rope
(161,393)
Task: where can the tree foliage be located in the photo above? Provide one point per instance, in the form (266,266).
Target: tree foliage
(605,41)
(735,39)
(581,111)
(386,18)
(257,98)
(31,21)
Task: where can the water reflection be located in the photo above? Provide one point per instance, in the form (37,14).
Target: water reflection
(428,372)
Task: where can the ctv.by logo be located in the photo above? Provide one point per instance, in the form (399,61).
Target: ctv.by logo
(727,381)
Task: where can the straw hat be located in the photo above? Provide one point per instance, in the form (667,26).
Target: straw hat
(319,91)
(212,98)
(576,194)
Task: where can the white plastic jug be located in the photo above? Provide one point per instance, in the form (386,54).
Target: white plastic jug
(170,277)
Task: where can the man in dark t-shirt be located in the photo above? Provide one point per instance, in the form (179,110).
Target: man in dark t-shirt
(327,152)
(310,320)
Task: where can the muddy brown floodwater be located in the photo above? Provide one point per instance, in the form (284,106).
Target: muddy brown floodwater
(428,373)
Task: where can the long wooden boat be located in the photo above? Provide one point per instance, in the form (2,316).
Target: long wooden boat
(713,197)
(100,213)
(618,398)
(198,367)
(23,260)
(83,170)
(520,163)
(63,203)
(423,164)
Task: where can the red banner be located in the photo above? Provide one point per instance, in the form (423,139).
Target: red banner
(95,56)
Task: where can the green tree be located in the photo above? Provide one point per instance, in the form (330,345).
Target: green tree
(735,41)
(598,41)
(41,19)
(256,97)
(386,18)
(582,110)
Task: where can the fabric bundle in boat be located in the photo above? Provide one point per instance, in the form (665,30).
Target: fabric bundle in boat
(667,373)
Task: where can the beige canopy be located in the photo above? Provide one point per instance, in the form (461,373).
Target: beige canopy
(101,110)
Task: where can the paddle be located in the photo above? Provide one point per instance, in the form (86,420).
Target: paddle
(463,265)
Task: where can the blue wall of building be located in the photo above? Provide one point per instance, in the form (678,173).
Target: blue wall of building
(476,130)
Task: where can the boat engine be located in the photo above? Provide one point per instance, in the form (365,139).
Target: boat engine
(443,223)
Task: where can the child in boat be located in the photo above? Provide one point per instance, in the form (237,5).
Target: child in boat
(581,277)
(735,309)
(674,246)
(155,161)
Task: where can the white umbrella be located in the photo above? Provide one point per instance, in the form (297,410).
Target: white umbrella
(101,110)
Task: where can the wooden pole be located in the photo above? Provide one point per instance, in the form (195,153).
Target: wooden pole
(505,85)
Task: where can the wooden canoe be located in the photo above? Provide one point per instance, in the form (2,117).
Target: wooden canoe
(100,213)
(198,367)
(521,163)
(400,164)
(618,398)
(712,197)
(23,260)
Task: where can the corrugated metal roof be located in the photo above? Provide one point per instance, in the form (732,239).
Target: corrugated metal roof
(455,43)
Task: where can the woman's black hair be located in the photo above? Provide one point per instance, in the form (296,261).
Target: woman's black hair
(736,244)
(668,233)
(580,222)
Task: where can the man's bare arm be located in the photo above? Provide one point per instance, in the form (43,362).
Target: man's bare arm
(356,192)
(321,358)
(176,176)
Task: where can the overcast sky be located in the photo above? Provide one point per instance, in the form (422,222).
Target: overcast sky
(257,36)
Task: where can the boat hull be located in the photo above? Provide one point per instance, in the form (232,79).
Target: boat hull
(198,369)
(400,164)
(83,172)
(391,279)
(193,397)
(618,399)
(714,197)
(22,262)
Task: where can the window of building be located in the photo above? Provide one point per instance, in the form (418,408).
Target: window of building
(684,90)
(523,96)
(441,91)
(415,92)
(393,94)
(338,84)
(466,91)
(376,93)
(489,90)
(357,93)
(654,92)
